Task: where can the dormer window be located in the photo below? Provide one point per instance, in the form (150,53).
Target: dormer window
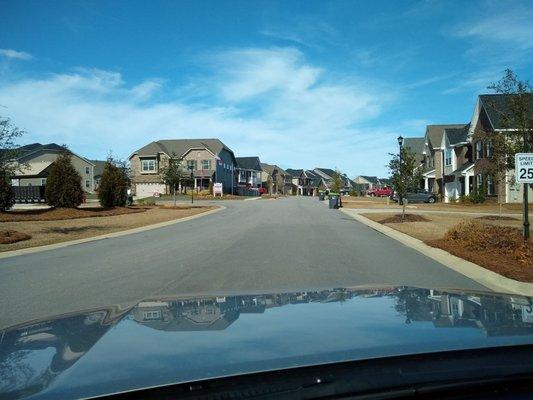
(148,165)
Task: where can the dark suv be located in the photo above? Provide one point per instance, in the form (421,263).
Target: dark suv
(418,196)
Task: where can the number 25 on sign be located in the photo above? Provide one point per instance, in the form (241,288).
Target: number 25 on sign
(524,167)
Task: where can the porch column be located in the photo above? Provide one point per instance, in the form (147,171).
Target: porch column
(467,185)
(426,184)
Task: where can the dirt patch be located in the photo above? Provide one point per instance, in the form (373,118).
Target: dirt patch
(498,248)
(8,237)
(56,231)
(55,214)
(497,218)
(397,218)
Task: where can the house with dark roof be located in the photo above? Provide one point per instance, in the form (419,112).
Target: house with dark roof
(248,175)
(36,160)
(209,160)
(434,145)
(98,171)
(275,180)
(367,182)
(295,178)
(489,118)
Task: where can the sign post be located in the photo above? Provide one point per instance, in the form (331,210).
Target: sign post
(524,175)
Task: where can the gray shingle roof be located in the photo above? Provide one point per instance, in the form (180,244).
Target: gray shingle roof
(294,172)
(98,167)
(371,179)
(249,163)
(325,172)
(416,145)
(436,132)
(497,104)
(180,146)
(457,135)
(463,167)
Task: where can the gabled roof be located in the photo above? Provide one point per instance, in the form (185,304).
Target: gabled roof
(269,168)
(325,172)
(294,172)
(415,144)
(497,104)
(371,179)
(33,148)
(181,146)
(435,133)
(457,135)
(248,163)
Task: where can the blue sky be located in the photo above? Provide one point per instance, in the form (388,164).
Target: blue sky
(299,83)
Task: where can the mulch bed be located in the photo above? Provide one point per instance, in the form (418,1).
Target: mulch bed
(498,248)
(56,214)
(497,218)
(8,237)
(408,218)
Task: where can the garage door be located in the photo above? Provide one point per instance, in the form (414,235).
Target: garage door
(148,189)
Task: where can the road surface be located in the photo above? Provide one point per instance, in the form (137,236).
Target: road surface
(252,246)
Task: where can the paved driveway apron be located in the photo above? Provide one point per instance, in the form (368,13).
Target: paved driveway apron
(251,246)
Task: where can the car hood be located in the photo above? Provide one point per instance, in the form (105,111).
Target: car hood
(171,340)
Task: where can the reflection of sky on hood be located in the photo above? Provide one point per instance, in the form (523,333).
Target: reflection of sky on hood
(356,328)
(27,370)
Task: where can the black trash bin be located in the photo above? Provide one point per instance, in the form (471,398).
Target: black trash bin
(321,196)
(333,201)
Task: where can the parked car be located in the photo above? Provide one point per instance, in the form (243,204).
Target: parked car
(418,196)
(380,192)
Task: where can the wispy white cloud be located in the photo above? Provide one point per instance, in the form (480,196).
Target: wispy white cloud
(14,54)
(266,102)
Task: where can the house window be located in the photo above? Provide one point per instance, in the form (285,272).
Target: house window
(490,185)
(87,183)
(206,164)
(148,165)
(488,149)
(479,181)
(448,157)
(43,181)
(479,150)
(191,164)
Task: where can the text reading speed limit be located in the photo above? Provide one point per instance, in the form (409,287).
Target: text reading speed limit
(524,167)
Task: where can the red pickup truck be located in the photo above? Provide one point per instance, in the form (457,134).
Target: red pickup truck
(380,192)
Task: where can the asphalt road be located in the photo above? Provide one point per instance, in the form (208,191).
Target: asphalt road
(252,246)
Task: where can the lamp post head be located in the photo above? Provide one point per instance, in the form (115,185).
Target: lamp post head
(400,141)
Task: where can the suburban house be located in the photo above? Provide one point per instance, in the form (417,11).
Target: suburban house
(248,175)
(328,175)
(36,160)
(98,171)
(434,143)
(415,146)
(309,183)
(275,180)
(458,168)
(209,160)
(295,178)
(368,182)
(486,118)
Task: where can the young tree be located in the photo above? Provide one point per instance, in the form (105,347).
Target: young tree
(405,174)
(337,182)
(9,152)
(173,174)
(63,184)
(114,183)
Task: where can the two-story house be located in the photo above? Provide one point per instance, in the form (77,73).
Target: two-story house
(248,175)
(36,160)
(295,179)
(434,145)
(275,180)
(487,119)
(366,182)
(209,160)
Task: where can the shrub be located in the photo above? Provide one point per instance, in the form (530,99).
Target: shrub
(148,201)
(63,184)
(7,197)
(353,193)
(113,188)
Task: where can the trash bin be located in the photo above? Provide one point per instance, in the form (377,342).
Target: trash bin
(321,196)
(333,201)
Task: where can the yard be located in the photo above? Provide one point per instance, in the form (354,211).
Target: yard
(488,241)
(60,225)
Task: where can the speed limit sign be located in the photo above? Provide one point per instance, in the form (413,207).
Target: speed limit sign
(524,167)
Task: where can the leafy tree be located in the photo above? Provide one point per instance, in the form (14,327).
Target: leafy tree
(337,182)
(173,174)
(63,184)
(9,152)
(114,184)
(405,174)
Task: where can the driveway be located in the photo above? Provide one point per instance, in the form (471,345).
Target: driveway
(253,246)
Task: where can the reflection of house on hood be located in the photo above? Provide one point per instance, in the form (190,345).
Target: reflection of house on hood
(69,338)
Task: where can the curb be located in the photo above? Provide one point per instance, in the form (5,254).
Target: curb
(483,276)
(38,249)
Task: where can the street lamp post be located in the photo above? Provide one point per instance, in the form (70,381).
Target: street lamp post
(192,183)
(400,143)
(401,188)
